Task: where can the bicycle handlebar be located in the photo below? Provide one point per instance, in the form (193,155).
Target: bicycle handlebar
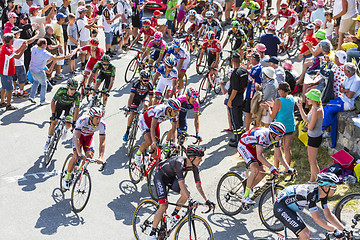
(135,49)
(98,91)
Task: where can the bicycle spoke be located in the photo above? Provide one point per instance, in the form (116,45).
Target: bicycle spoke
(199,228)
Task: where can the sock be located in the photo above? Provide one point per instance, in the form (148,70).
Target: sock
(21,91)
(138,153)
(175,212)
(128,130)
(67,177)
(247,192)
(153,232)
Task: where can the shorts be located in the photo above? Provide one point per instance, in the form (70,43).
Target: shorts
(155,55)
(86,142)
(288,217)
(211,58)
(266,119)
(337,22)
(229,0)
(170,24)
(59,108)
(185,65)
(237,44)
(7,82)
(162,85)
(145,124)
(82,44)
(101,77)
(61,62)
(66,37)
(109,37)
(238,3)
(182,121)
(247,105)
(347,25)
(293,23)
(89,67)
(315,141)
(20,74)
(136,102)
(162,181)
(248,154)
(136,21)
(72,47)
(193,25)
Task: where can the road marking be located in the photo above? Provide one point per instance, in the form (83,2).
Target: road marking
(28,176)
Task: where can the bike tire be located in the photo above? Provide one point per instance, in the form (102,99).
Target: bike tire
(199,226)
(131,70)
(185,79)
(291,52)
(185,45)
(81,190)
(204,89)
(346,209)
(151,184)
(51,149)
(266,209)
(229,198)
(64,170)
(135,172)
(132,136)
(143,217)
(203,65)
(217,88)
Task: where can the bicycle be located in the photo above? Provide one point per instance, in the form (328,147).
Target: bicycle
(207,84)
(190,43)
(80,180)
(198,228)
(328,236)
(97,102)
(84,92)
(134,128)
(134,66)
(201,66)
(231,188)
(347,210)
(290,49)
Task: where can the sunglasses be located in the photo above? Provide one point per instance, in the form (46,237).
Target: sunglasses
(168,66)
(334,187)
(73,89)
(25,19)
(145,80)
(105,64)
(176,46)
(157,40)
(93,46)
(209,17)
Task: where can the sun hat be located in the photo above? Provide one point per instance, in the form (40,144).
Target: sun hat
(269,72)
(341,56)
(321,34)
(287,65)
(260,47)
(314,94)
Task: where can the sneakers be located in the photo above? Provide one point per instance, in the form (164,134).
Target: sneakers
(248,201)
(59,76)
(66,184)
(47,144)
(64,134)
(152,237)
(138,160)
(44,103)
(126,137)
(326,134)
(24,94)
(120,51)
(11,107)
(32,100)
(2,105)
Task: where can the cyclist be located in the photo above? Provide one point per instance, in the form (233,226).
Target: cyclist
(149,125)
(214,47)
(182,60)
(171,175)
(168,76)
(254,8)
(103,70)
(246,26)
(297,197)
(196,21)
(189,101)
(64,99)
(292,20)
(240,38)
(148,31)
(139,91)
(85,128)
(215,7)
(159,46)
(212,24)
(251,147)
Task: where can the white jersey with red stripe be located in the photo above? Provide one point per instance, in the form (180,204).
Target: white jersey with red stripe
(158,112)
(197,21)
(258,136)
(83,125)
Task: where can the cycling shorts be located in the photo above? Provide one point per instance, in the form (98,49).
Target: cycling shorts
(155,55)
(193,26)
(136,102)
(288,217)
(101,77)
(248,154)
(182,121)
(162,181)
(211,58)
(86,142)
(145,125)
(59,108)
(162,84)
(293,23)
(237,44)
(185,65)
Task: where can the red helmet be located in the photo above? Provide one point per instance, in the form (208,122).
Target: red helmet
(94,42)
(146,22)
(210,35)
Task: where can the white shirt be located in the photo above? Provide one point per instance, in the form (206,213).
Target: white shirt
(124,7)
(17,44)
(352,10)
(108,14)
(353,84)
(25,8)
(329,28)
(84,33)
(40,21)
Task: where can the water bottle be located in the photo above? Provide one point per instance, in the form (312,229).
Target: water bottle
(357,170)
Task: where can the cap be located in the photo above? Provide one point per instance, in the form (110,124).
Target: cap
(272,26)
(321,34)
(318,22)
(341,56)
(326,45)
(310,26)
(81,9)
(288,65)
(256,56)
(15,30)
(110,2)
(23,16)
(357,18)
(34,8)
(157,13)
(320,3)
(12,14)
(274,60)
(260,47)
(60,15)
(269,72)
(314,94)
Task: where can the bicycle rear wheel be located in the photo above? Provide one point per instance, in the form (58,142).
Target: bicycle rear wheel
(204,89)
(135,172)
(80,193)
(347,208)
(64,170)
(295,49)
(200,229)
(131,70)
(266,209)
(229,193)
(143,218)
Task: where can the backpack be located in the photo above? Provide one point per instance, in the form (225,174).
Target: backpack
(77,28)
(290,79)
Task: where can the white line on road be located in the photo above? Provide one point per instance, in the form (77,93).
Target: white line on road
(28,176)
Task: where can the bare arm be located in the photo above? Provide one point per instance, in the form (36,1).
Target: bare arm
(201,190)
(101,147)
(260,156)
(131,98)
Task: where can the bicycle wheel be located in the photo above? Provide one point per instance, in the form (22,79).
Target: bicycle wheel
(143,218)
(64,169)
(185,45)
(217,88)
(347,208)
(201,68)
(200,229)
(131,69)
(229,193)
(49,153)
(150,183)
(132,137)
(204,89)
(296,47)
(135,172)
(80,193)
(185,79)
(266,208)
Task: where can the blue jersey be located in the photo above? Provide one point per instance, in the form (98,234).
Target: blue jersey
(163,77)
(254,77)
(182,54)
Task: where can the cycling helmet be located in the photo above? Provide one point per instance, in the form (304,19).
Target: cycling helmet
(145,74)
(174,104)
(195,151)
(284,4)
(209,14)
(158,36)
(235,24)
(210,35)
(72,83)
(96,112)
(94,42)
(146,22)
(241,14)
(191,92)
(105,58)
(192,12)
(327,178)
(176,42)
(278,128)
(169,60)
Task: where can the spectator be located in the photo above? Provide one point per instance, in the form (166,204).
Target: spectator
(154,22)
(20,71)
(11,23)
(319,13)
(35,17)
(84,33)
(10,8)
(314,118)
(261,48)
(7,69)
(25,8)
(73,41)
(200,6)
(323,47)
(352,42)
(60,36)
(350,90)
(81,3)
(124,9)
(55,48)
(95,7)
(185,6)
(238,82)
(318,23)
(282,110)
(291,77)
(170,13)
(108,18)
(137,13)
(64,9)
(271,40)
(279,71)
(309,37)
(329,25)
(339,73)
(228,6)
(27,33)
(39,58)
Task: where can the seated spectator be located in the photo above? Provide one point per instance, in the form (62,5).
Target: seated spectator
(271,40)
(350,89)
(279,71)
(35,17)
(291,77)
(309,37)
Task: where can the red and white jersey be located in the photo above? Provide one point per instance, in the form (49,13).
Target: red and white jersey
(214,47)
(197,21)
(158,112)
(7,61)
(150,32)
(289,13)
(83,125)
(258,136)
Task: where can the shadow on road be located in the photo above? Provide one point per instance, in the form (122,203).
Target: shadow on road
(16,116)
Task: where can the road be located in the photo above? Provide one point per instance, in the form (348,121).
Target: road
(33,207)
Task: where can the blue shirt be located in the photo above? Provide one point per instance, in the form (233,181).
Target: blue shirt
(286,114)
(254,77)
(271,41)
(182,54)
(39,58)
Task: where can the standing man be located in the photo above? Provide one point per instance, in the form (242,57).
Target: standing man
(7,68)
(238,82)
(279,71)
(25,8)
(64,9)
(108,18)
(11,23)
(59,34)
(271,40)
(27,33)
(35,17)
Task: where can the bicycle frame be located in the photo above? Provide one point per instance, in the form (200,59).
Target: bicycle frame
(82,168)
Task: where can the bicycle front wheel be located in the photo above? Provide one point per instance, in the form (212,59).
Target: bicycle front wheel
(64,169)
(199,229)
(80,193)
(229,193)
(151,183)
(134,170)
(132,136)
(347,208)
(266,208)
(201,66)
(204,89)
(143,218)
(49,153)
(131,70)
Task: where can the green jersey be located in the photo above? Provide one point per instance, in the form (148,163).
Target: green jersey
(110,71)
(63,98)
(253,6)
(170,14)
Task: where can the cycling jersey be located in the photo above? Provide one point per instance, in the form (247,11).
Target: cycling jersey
(63,98)
(153,22)
(197,21)
(215,24)
(182,54)
(157,45)
(239,35)
(140,92)
(150,32)
(214,47)
(183,111)
(165,80)
(254,77)
(246,25)
(110,71)
(93,57)
(289,13)
(253,6)
(83,125)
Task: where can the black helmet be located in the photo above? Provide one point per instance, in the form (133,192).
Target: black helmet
(145,74)
(195,151)
(327,178)
(72,83)
(105,58)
